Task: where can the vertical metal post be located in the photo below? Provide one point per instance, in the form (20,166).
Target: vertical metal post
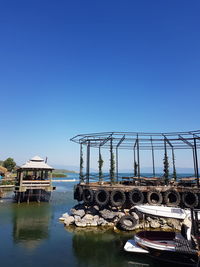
(81,164)
(112,167)
(152,150)
(173,160)
(99,162)
(196,161)
(88,162)
(138,156)
(195,168)
(117,163)
(134,161)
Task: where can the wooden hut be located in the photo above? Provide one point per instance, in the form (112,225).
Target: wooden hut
(34,181)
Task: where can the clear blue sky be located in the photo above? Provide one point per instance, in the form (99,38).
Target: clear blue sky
(70,67)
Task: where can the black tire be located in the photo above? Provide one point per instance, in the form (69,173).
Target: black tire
(154,197)
(88,196)
(127,223)
(190,199)
(117,198)
(78,193)
(172,198)
(101,197)
(136,197)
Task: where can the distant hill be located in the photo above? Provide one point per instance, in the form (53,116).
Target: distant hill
(63,171)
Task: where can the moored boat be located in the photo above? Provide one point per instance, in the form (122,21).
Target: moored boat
(177,248)
(163,211)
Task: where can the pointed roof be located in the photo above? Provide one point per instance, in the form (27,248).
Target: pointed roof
(36,163)
(37,158)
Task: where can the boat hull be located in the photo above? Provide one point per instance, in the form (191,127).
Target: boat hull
(164,246)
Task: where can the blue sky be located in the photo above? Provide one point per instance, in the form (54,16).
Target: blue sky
(70,67)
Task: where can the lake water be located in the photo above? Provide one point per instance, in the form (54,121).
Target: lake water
(31,235)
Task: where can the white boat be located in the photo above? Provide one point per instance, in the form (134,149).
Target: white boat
(176,248)
(163,211)
(131,246)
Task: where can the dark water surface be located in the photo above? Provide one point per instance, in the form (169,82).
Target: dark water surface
(31,235)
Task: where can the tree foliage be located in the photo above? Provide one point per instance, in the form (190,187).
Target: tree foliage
(100,161)
(174,168)
(112,164)
(81,165)
(166,168)
(9,164)
(135,169)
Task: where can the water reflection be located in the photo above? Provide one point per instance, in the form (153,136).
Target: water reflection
(98,247)
(30,224)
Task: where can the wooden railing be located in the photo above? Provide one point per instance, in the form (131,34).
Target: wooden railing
(36,183)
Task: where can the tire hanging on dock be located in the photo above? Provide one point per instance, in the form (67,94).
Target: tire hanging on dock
(154,197)
(127,223)
(117,198)
(78,193)
(172,198)
(101,197)
(190,199)
(136,197)
(88,196)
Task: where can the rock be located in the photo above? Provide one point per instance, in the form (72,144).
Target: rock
(88,217)
(149,219)
(77,218)
(154,224)
(65,215)
(107,214)
(165,226)
(102,222)
(110,224)
(80,224)
(69,220)
(173,223)
(80,213)
(93,223)
(163,221)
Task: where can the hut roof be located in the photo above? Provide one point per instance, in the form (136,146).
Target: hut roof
(36,163)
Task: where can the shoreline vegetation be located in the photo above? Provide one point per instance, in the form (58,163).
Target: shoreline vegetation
(61,173)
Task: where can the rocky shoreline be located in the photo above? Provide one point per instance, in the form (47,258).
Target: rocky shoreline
(83,216)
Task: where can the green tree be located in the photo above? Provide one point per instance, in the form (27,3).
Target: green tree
(100,161)
(9,164)
(112,164)
(135,169)
(81,166)
(166,168)
(174,166)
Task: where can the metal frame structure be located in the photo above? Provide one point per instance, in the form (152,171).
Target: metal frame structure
(141,141)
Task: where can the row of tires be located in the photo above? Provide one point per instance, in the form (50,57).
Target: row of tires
(119,198)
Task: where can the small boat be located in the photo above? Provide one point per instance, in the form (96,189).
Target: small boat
(163,211)
(172,247)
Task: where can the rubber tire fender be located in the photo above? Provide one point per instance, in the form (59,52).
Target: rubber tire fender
(131,197)
(167,200)
(88,196)
(78,193)
(117,202)
(101,193)
(188,205)
(159,195)
(127,223)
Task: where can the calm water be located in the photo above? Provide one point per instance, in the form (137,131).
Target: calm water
(31,235)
